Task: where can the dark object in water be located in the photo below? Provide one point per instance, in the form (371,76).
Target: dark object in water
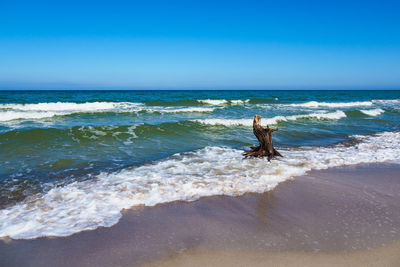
(266,147)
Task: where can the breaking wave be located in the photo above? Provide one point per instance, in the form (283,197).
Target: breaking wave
(274,120)
(372,112)
(315,104)
(90,204)
(224,102)
(9,112)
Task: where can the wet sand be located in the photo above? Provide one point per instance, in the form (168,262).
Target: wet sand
(386,256)
(344,216)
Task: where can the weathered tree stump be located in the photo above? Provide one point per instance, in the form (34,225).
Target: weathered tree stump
(266,147)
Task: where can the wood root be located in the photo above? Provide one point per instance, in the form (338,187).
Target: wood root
(266,147)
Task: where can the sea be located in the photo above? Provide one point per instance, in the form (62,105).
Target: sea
(72,161)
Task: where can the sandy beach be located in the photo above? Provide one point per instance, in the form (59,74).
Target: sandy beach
(199,133)
(387,256)
(340,216)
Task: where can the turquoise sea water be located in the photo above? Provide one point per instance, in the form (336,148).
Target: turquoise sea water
(72,160)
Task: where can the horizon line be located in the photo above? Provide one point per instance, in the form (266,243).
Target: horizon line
(214,89)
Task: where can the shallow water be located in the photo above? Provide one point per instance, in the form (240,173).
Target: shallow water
(72,160)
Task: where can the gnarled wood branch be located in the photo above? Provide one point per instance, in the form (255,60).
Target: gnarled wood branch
(266,147)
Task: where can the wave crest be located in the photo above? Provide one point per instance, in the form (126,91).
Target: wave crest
(315,104)
(218,102)
(9,112)
(274,120)
(372,112)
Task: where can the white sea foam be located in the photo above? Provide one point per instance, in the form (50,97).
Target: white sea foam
(214,101)
(218,102)
(229,122)
(387,102)
(9,112)
(16,115)
(274,120)
(69,106)
(239,102)
(89,204)
(131,131)
(177,110)
(315,104)
(372,112)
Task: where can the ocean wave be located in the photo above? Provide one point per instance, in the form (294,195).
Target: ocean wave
(90,204)
(181,102)
(372,112)
(218,102)
(263,100)
(9,112)
(215,102)
(70,106)
(315,104)
(18,115)
(274,120)
(178,110)
(387,102)
(124,134)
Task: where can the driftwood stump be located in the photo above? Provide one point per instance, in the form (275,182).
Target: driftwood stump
(266,147)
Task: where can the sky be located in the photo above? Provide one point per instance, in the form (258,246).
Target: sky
(204,44)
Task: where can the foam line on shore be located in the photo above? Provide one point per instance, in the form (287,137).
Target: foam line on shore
(89,204)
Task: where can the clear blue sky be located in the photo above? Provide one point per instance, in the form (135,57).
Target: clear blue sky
(199,44)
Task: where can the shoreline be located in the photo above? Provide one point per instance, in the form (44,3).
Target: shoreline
(339,210)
